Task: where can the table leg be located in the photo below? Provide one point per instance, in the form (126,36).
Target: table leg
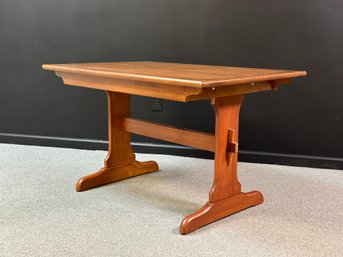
(120,162)
(226,197)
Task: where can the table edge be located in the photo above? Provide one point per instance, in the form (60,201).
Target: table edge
(283,74)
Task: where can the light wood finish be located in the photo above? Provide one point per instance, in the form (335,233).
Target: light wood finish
(186,137)
(225,196)
(120,162)
(173,81)
(226,86)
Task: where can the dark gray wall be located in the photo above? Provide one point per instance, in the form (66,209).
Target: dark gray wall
(304,117)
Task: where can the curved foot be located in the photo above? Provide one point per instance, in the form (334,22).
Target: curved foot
(218,210)
(118,172)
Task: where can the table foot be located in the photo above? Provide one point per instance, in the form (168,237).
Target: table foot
(218,210)
(118,172)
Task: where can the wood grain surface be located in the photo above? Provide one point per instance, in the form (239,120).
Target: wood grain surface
(189,75)
(226,86)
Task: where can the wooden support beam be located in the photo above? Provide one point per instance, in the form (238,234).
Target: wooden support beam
(176,135)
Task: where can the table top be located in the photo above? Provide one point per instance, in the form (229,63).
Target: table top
(188,75)
(173,81)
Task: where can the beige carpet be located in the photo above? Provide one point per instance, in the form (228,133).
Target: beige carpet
(42,215)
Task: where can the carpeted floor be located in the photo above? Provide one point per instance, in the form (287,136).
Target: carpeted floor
(42,215)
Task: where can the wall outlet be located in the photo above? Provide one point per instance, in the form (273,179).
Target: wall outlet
(156,105)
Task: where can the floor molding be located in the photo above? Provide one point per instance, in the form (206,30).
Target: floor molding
(141,147)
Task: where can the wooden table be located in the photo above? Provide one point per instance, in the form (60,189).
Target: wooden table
(226,86)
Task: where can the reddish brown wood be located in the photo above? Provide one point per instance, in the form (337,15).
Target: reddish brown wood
(185,75)
(180,82)
(226,197)
(173,81)
(211,212)
(120,162)
(173,134)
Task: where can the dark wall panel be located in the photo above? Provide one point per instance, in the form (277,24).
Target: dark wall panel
(302,118)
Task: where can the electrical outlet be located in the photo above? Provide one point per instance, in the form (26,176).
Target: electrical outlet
(156,105)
